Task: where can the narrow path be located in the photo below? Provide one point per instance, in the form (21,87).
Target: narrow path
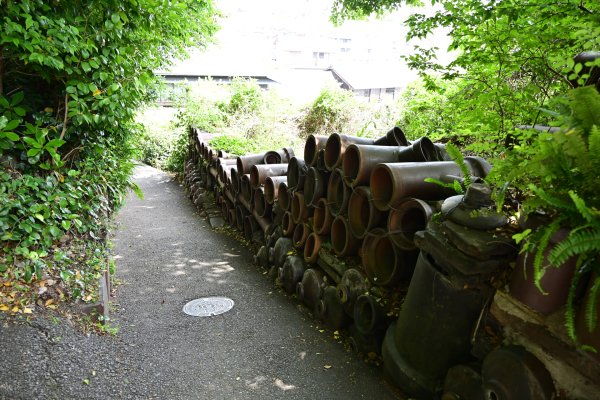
(266,347)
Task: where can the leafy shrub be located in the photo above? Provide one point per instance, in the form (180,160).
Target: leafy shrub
(331,112)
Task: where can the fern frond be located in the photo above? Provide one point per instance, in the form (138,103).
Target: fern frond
(586,106)
(456,155)
(549,199)
(538,267)
(585,212)
(570,309)
(594,147)
(578,243)
(591,314)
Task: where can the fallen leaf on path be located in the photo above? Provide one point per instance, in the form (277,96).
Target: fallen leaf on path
(327,366)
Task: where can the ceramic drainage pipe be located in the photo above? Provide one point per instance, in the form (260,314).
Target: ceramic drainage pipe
(363,216)
(278,156)
(231,217)
(246,189)
(322,218)
(393,182)
(272,187)
(369,316)
(353,284)
(300,212)
(310,289)
(315,186)
(420,150)
(300,235)
(331,310)
(240,213)
(250,227)
(338,193)
(261,207)
(311,248)
(313,144)
(342,240)
(259,173)
(245,163)
(360,160)
(410,216)
(385,264)
(284,197)
(235,181)
(287,224)
(292,272)
(296,173)
(394,137)
(336,147)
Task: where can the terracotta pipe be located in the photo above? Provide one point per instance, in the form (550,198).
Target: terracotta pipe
(342,240)
(321,161)
(410,216)
(287,224)
(259,173)
(222,154)
(363,216)
(300,212)
(360,160)
(313,144)
(300,235)
(385,264)
(336,146)
(369,316)
(245,163)
(262,222)
(206,152)
(310,289)
(246,188)
(272,187)
(420,150)
(311,248)
(235,181)
(322,218)
(393,182)
(213,155)
(394,137)
(250,226)
(284,197)
(315,186)
(231,217)
(330,310)
(240,213)
(338,193)
(296,173)
(261,207)
(278,156)
(226,176)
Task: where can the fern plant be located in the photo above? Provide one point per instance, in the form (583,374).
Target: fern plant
(560,176)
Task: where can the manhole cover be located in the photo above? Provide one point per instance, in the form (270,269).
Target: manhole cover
(208,306)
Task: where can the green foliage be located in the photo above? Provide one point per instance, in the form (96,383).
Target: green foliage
(246,97)
(511,58)
(330,113)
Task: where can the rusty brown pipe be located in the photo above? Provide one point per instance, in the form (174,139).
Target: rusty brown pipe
(393,182)
(278,156)
(235,181)
(245,163)
(287,224)
(240,213)
(311,248)
(313,144)
(393,137)
(261,207)
(296,173)
(261,221)
(310,289)
(259,173)
(315,186)
(250,226)
(362,213)
(272,187)
(385,264)
(369,316)
(336,147)
(300,235)
(420,150)
(246,189)
(300,212)
(338,193)
(322,218)
(342,240)
(231,217)
(353,284)
(360,160)
(284,197)
(410,216)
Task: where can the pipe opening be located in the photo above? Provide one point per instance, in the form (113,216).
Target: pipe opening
(385,262)
(351,163)
(333,148)
(283,197)
(382,186)
(364,314)
(310,150)
(338,235)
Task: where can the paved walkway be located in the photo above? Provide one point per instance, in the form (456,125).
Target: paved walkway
(266,347)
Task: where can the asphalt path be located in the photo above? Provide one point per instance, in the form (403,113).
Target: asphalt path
(265,347)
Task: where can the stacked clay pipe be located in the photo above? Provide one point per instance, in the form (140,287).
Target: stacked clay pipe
(337,226)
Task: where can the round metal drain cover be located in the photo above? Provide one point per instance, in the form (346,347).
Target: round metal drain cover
(208,306)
